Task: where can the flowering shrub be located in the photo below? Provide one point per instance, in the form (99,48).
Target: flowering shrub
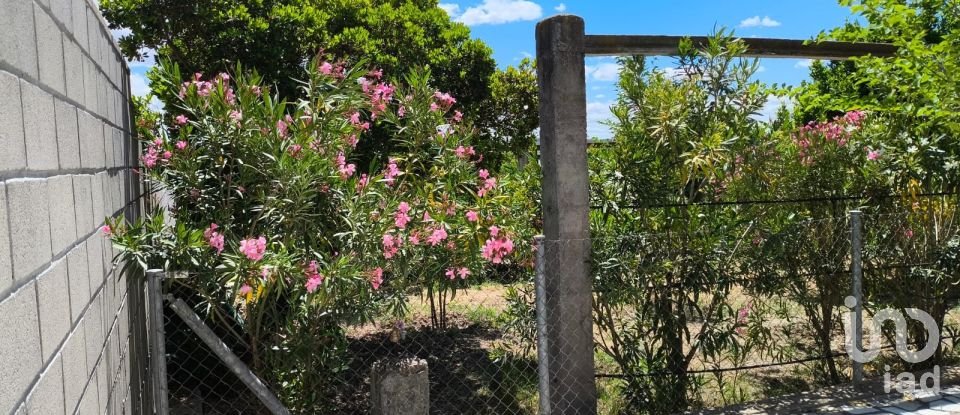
(273,218)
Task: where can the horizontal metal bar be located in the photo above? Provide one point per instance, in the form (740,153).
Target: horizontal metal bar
(617,45)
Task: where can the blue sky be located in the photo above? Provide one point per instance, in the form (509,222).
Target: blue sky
(508,27)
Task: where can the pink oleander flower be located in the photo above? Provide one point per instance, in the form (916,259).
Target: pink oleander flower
(473,216)
(214,238)
(437,236)
(400,217)
(401,111)
(483,173)
(345,170)
(376,278)
(873,155)
(496,247)
(245,289)
(352,140)
(295,151)
(463,272)
(391,245)
(392,172)
(106,230)
(326,68)
(908,233)
(414,238)
(363,182)
(457,116)
(181,145)
(451,273)
(167,154)
(254,248)
(434,107)
(180,120)
(230,96)
(282,128)
(444,100)
(236,115)
(150,158)
(426,217)
(256,90)
(314,277)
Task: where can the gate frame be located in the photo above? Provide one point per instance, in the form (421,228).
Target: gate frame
(567,384)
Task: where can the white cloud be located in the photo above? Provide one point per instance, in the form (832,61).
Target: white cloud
(761,69)
(770,108)
(138,85)
(597,113)
(561,8)
(501,11)
(803,63)
(757,21)
(451,9)
(605,71)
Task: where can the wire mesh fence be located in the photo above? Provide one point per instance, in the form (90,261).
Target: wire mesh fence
(682,319)
(472,340)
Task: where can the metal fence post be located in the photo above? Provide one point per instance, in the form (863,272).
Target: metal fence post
(856,267)
(566,213)
(158,354)
(541,312)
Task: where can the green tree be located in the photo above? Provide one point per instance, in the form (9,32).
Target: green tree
(511,115)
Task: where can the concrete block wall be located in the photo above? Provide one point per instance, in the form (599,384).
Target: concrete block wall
(66,158)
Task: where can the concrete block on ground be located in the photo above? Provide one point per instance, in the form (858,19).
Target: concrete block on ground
(63,216)
(54,296)
(91,141)
(73,61)
(14,154)
(18,45)
(400,387)
(49,51)
(19,356)
(47,396)
(68,135)
(79,275)
(6,266)
(83,197)
(74,368)
(40,128)
(29,226)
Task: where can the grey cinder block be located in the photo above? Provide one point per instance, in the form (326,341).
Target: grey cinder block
(90,86)
(83,197)
(14,156)
(88,403)
(91,141)
(49,51)
(73,61)
(74,368)
(63,217)
(40,128)
(99,208)
(54,296)
(20,356)
(29,226)
(79,274)
(79,10)
(62,11)
(68,136)
(47,396)
(18,45)
(95,262)
(93,332)
(6,267)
